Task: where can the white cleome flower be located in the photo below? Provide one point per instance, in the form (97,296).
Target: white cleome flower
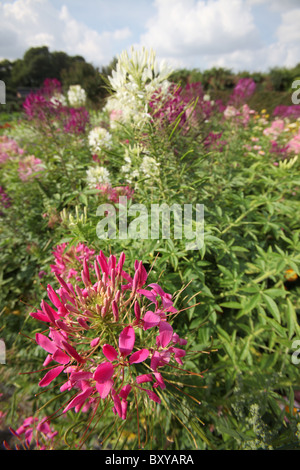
(150,167)
(58,98)
(99,139)
(76,96)
(97,175)
(136,166)
(135,80)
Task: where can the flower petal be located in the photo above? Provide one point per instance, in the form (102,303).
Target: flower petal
(126,341)
(125,391)
(165,334)
(109,352)
(139,356)
(72,351)
(140,379)
(60,357)
(104,388)
(103,372)
(95,342)
(79,399)
(159,380)
(150,319)
(152,395)
(51,375)
(117,404)
(45,343)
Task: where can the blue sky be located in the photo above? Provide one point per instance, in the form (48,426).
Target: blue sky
(252,35)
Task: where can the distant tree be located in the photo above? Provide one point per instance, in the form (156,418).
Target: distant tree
(5,70)
(89,77)
(217,78)
(281,78)
(34,68)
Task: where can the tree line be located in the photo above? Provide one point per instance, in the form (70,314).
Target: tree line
(38,63)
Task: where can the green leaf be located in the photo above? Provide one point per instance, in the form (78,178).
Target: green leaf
(238,435)
(234,305)
(272,307)
(252,303)
(291,319)
(278,328)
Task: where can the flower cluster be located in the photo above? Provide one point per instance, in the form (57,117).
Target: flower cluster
(283,111)
(39,108)
(69,259)
(97,175)
(76,120)
(30,167)
(239,116)
(113,194)
(294,144)
(36,433)
(51,87)
(76,96)
(99,139)
(243,90)
(139,164)
(213,141)
(189,104)
(8,148)
(136,78)
(49,105)
(108,336)
(284,137)
(170,107)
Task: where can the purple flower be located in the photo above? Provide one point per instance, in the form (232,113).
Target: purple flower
(76,120)
(292,112)
(243,90)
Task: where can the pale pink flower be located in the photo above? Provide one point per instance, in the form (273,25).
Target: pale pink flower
(9,148)
(275,129)
(294,144)
(30,167)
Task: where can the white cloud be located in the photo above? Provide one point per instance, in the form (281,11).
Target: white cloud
(31,23)
(236,34)
(276,5)
(208,33)
(188,27)
(289,30)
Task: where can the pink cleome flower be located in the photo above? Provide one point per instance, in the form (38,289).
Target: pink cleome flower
(36,432)
(30,167)
(43,108)
(103,326)
(113,194)
(294,144)
(69,260)
(8,148)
